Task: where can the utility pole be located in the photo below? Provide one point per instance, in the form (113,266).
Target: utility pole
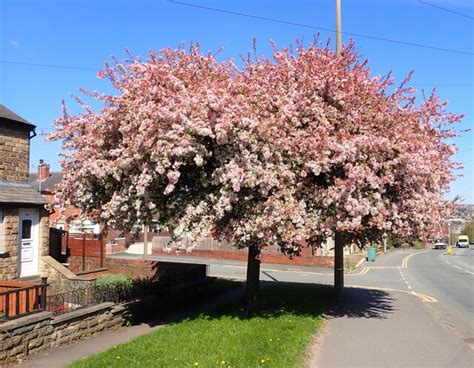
(338,28)
(339,238)
(449,232)
(145,242)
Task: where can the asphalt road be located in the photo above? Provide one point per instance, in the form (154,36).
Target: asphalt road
(449,279)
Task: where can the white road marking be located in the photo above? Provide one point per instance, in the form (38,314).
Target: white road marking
(459,268)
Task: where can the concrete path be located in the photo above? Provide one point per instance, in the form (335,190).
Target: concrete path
(373,328)
(62,356)
(137,248)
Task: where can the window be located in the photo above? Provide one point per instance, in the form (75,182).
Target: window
(26,229)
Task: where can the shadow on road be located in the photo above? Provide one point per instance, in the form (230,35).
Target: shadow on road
(363,303)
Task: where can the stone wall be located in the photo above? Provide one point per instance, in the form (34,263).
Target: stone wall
(24,336)
(61,279)
(15,152)
(11,223)
(9,259)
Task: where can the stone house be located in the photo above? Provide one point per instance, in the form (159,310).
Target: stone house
(24,224)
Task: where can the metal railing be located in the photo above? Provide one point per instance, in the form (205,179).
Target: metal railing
(21,301)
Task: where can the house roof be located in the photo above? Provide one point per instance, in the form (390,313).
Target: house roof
(46,185)
(7,114)
(15,192)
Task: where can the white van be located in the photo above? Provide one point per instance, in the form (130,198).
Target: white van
(463,241)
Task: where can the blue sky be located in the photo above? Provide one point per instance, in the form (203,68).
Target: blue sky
(82,33)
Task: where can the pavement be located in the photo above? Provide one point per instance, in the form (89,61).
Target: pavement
(374,328)
(401,314)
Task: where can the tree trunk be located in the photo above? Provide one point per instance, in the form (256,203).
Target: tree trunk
(253,278)
(339,265)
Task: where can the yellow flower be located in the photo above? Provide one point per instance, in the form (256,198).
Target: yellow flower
(196,364)
(262,361)
(118,357)
(222,362)
(270,339)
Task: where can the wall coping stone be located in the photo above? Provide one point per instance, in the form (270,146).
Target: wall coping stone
(118,308)
(50,261)
(24,321)
(81,312)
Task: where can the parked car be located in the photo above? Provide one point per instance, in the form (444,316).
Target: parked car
(463,241)
(441,244)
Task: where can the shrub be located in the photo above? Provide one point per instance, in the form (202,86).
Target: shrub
(112,280)
(113,288)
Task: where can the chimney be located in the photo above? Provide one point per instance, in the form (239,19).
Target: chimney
(43,171)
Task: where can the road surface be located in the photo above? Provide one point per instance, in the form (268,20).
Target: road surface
(449,279)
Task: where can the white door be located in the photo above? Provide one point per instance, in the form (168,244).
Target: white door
(28,255)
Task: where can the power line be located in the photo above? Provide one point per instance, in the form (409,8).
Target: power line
(444,9)
(97,70)
(49,65)
(247,15)
(442,85)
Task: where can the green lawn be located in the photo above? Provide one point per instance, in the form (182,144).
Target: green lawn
(277,337)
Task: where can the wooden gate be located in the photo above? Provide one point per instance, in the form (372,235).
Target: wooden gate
(18,298)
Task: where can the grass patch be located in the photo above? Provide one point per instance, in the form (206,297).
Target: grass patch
(277,337)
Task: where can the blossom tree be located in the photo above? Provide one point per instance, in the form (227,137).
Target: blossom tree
(285,151)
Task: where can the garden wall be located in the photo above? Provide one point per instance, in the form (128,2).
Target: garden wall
(139,268)
(24,336)
(303,260)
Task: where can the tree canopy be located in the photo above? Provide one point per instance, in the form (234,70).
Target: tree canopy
(281,151)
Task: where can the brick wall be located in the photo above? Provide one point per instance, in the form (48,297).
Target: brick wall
(15,152)
(90,263)
(317,261)
(139,268)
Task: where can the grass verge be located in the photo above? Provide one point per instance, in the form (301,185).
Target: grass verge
(277,337)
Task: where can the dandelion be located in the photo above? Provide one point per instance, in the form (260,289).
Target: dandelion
(118,357)
(270,339)
(196,364)
(222,362)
